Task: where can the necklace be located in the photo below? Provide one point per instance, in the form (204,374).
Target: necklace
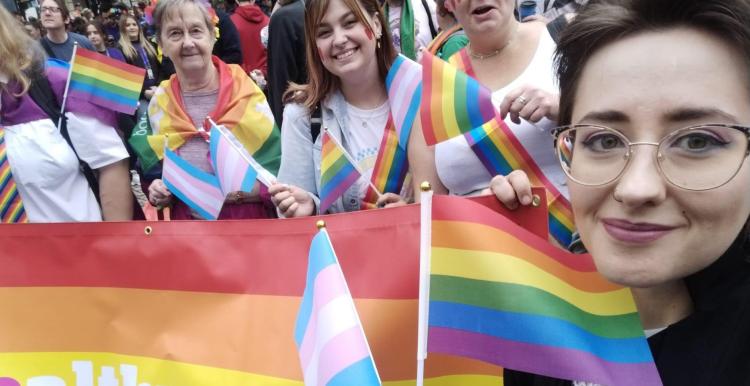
(494,53)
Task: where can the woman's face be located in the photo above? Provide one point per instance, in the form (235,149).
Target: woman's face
(132,29)
(94,36)
(481,16)
(345,46)
(641,230)
(186,39)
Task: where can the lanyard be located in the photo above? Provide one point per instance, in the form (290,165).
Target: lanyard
(146,63)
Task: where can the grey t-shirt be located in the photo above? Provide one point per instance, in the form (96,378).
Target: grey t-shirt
(64,51)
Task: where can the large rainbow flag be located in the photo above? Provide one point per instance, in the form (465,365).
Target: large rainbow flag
(452,102)
(500,294)
(501,152)
(337,171)
(404,85)
(196,303)
(105,81)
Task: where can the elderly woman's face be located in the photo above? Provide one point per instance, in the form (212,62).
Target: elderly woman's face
(481,16)
(187,40)
(641,230)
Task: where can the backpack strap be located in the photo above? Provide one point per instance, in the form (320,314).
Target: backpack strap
(438,42)
(47,48)
(316,121)
(41,93)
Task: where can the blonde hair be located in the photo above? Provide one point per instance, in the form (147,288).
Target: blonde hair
(16,50)
(127,46)
(320,81)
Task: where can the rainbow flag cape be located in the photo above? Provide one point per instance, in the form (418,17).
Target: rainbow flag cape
(404,85)
(235,174)
(500,294)
(105,81)
(332,346)
(337,171)
(241,107)
(391,167)
(501,153)
(198,189)
(197,303)
(452,102)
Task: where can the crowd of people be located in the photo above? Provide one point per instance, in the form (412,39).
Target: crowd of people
(648,102)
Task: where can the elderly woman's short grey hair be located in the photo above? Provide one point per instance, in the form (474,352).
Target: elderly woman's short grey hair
(167,9)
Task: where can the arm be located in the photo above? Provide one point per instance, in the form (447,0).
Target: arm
(422,162)
(114,191)
(284,38)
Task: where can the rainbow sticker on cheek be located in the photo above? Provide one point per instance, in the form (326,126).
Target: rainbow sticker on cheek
(369,33)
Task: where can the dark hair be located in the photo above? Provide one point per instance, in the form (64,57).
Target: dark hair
(320,82)
(602,22)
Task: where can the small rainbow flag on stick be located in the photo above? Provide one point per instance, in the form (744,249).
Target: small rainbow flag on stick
(337,171)
(501,152)
(502,295)
(390,168)
(404,84)
(332,346)
(105,81)
(452,102)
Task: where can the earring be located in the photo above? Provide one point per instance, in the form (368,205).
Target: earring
(377,42)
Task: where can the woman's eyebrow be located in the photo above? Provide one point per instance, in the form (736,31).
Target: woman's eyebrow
(695,113)
(605,116)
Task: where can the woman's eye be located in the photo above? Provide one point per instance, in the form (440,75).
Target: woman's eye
(350,23)
(603,142)
(698,141)
(324,34)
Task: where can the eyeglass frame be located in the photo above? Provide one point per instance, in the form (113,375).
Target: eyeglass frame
(559,130)
(53,10)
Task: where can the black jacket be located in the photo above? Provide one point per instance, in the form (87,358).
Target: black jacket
(709,347)
(286,53)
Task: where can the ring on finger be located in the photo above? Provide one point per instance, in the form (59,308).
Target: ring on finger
(521,100)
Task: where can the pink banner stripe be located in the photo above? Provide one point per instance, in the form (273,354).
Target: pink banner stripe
(345,349)
(204,195)
(329,285)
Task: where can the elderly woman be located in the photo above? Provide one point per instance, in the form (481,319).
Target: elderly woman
(515,61)
(656,102)
(204,86)
(40,174)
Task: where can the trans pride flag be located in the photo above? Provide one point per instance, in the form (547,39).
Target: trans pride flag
(501,152)
(452,102)
(332,346)
(201,191)
(105,81)
(337,172)
(404,85)
(235,174)
(502,295)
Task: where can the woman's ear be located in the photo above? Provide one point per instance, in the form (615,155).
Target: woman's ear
(377,28)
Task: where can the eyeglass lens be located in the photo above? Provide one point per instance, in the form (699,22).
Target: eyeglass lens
(695,158)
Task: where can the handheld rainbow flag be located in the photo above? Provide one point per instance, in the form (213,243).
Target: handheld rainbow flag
(337,171)
(105,81)
(501,152)
(199,190)
(390,168)
(452,102)
(332,346)
(404,84)
(500,294)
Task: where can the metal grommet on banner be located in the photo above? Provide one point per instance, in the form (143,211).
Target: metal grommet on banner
(536,200)
(320,224)
(148,230)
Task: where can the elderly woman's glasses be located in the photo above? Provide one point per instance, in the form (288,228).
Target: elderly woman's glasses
(699,157)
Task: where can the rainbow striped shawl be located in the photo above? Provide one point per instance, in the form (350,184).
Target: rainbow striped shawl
(241,107)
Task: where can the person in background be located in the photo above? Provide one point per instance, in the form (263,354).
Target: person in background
(451,38)
(250,20)
(58,42)
(43,165)
(655,147)
(78,25)
(286,52)
(139,52)
(349,52)
(413,25)
(87,14)
(204,86)
(95,34)
(34,28)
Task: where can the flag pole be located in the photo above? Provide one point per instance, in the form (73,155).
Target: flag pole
(67,86)
(425,243)
(354,164)
(263,174)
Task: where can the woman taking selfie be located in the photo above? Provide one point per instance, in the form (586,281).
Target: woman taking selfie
(655,96)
